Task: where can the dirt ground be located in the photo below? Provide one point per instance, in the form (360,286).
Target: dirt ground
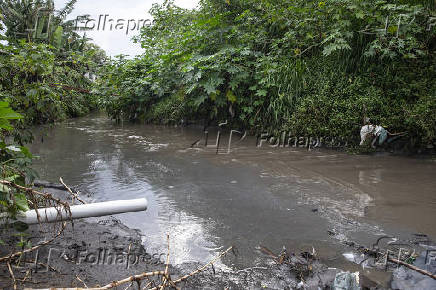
(90,254)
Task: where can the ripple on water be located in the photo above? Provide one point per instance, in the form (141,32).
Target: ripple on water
(147,144)
(341,208)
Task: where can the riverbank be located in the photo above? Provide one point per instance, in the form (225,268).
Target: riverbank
(95,253)
(98,251)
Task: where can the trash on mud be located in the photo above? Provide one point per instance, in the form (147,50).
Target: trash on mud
(356,258)
(346,281)
(405,278)
(310,272)
(409,269)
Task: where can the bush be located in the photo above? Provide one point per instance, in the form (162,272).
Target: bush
(313,67)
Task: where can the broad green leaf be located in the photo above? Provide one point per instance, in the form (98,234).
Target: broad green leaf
(4,124)
(21,201)
(261,93)
(8,113)
(230,96)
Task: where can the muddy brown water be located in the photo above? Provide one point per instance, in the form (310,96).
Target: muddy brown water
(252,196)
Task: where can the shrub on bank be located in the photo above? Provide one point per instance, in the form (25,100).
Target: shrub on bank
(44,86)
(312,67)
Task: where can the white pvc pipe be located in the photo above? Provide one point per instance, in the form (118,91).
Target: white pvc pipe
(52,214)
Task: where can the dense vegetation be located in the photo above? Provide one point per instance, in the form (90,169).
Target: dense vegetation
(42,73)
(314,68)
(45,76)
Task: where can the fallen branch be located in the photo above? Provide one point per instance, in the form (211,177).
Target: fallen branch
(128,286)
(269,252)
(281,259)
(28,189)
(130,279)
(204,267)
(25,277)
(163,273)
(75,195)
(33,192)
(376,253)
(34,202)
(12,275)
(84,284)
(412,267)
(49,185)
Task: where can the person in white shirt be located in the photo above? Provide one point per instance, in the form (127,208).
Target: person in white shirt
(376,132)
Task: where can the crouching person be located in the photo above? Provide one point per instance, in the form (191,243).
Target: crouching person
(377,135)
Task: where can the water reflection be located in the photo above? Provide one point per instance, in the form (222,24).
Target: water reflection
(371,176)
(252,196)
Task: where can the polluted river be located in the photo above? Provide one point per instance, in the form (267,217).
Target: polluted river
(300,199)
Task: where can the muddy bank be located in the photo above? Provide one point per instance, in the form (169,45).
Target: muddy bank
(95,253)
(74,255)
